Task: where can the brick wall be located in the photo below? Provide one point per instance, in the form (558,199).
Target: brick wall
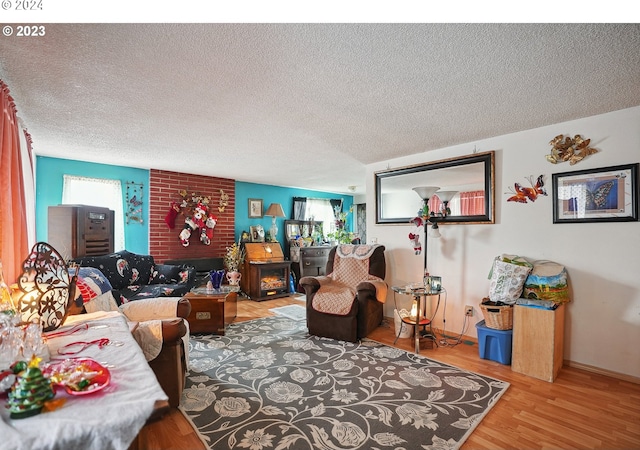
(164,242)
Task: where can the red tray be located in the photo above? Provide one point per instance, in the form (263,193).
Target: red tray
(98,382)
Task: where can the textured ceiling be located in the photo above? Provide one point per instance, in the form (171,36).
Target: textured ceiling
(306,105)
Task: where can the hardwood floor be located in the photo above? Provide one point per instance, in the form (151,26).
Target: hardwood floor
(580,410)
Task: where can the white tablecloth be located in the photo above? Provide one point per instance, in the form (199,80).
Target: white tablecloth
(108,419)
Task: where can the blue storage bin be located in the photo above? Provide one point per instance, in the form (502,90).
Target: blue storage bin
(494,344)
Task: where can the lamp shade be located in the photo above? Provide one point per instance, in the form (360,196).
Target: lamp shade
(274,210)
(446,196)
(426,192)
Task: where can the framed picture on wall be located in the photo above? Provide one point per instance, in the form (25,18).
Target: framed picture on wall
(609,194)
(255,208)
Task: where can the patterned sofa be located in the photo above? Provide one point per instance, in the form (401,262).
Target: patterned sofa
(136,277)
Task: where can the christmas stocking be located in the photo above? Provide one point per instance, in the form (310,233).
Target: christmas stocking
(206,233)
(185,234)
(170,218)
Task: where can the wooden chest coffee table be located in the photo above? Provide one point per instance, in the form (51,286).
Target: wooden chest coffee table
(212,309)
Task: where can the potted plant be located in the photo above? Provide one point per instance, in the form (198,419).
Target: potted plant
(233,260)
(341,235)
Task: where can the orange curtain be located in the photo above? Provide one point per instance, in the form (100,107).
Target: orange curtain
(472,203)
(14,246)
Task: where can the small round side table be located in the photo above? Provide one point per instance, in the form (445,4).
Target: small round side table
(420,294)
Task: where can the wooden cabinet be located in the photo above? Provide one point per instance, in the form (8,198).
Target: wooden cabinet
(538,342)
(80,230)
(212,311)
(305,261)
(309,261)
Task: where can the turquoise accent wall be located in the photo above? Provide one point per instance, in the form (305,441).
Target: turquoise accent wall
(276,194)
(49,181)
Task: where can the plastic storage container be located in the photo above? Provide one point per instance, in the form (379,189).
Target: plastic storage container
(494,344)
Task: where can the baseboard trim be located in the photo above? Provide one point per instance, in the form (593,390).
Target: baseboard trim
(566,362)
(601,371)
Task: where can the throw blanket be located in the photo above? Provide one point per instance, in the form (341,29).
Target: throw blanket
(148,335)
(338,289)
(149,313)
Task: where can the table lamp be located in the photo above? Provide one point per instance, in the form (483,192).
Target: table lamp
(274,210)
(46,288)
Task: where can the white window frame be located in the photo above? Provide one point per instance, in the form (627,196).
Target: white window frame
(320,210)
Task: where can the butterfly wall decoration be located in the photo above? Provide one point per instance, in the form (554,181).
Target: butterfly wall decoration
(569,149)
(135,196)
(523,194)
(224,201)
(598,194)
(134,201)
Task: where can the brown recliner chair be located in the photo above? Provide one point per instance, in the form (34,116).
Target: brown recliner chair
(170,366)
(347,304)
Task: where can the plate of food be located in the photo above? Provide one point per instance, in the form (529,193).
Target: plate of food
(78,376)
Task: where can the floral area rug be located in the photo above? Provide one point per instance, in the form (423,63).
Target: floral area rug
(267,384)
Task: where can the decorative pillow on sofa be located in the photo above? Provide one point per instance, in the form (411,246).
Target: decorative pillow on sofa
(169,274)
(114,266)
(141,267)
(91,283)
(93,292)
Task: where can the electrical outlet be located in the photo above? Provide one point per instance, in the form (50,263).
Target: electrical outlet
(468,310)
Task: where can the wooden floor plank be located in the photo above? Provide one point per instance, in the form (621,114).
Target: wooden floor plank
(581,410)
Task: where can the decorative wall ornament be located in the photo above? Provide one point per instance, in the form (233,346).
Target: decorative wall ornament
(197,217)
(224,201)
(523,194)
(569,149)
(135,200)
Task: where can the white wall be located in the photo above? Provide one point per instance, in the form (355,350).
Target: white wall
(602,326)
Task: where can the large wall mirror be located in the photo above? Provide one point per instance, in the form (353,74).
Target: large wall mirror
(469,178)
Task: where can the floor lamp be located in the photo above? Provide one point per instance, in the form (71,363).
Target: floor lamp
(445,197)
(425,193)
